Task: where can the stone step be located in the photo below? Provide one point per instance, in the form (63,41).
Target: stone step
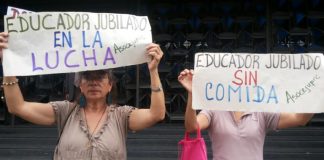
(30,142)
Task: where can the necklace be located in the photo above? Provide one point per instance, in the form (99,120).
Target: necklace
(91,135)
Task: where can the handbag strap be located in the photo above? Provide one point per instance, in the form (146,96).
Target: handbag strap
(187,137)
(62,128)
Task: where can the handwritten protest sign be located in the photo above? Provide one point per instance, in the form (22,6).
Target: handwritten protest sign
(61,42)
(259,82)
(14,11)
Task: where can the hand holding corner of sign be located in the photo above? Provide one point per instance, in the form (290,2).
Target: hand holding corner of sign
(156,53)
(3,42)
(185,78)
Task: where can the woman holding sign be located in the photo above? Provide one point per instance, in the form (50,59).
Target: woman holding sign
(91,129)
(236,135)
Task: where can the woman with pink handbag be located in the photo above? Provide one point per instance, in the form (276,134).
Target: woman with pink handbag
(236,135)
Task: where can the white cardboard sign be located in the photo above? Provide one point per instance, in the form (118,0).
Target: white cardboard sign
(259,82)
(61,42)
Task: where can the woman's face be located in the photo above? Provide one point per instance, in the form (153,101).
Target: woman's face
(95,85)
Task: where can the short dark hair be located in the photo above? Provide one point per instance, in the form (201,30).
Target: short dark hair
(86,74)
(111,77)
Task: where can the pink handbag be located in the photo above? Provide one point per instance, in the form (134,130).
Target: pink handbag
(192,149)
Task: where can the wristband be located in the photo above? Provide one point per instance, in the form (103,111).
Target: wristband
(156,89)
(9,83)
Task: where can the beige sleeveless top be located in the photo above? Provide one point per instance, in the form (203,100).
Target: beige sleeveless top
(109,143)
